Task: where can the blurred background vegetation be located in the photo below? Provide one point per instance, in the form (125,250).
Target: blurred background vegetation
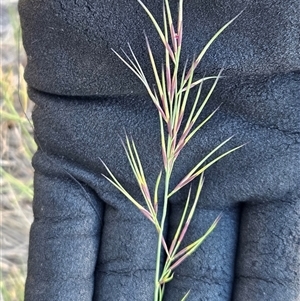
(17,147)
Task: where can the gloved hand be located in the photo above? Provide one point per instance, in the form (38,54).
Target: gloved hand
(88,242)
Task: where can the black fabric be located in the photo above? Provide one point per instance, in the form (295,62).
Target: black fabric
(88,243)
(69,43)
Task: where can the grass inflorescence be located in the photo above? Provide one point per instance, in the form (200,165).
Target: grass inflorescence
(177,127)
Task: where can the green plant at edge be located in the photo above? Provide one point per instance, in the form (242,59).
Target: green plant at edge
(17,148)
(170,97)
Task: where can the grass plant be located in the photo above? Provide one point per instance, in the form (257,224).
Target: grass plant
(177,127)
(16,173)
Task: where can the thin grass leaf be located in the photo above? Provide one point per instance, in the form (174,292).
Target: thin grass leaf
(181,87)
(177,234)
(11,117)
(189,122)
(137,168)
(163,142)
(196,171)
(211,90)
(167,57)
(155,201)
(19,185)
(133,68)
(140,167)
(122,189)
(137,70)
(159,108)
(171,26)
(119,186)
(184,252)
(131,160)
(199,81)
(191,213)
(133,64)
(185,296)
(176,109)
(137,62)
(189,250)
(159,31)
(163,242)
(182,105)
(164,97)
(210,42)
(144,185)
(200,171)
(145,212)
(200,126)
(180,22)
(153,64)
(190,176)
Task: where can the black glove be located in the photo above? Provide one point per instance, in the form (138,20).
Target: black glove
(88,242)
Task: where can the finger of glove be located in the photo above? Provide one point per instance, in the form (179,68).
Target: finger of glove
(268,260)
(64,236)
(209,272)
(126,264)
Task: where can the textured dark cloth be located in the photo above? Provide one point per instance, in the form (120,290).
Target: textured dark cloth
(87,241)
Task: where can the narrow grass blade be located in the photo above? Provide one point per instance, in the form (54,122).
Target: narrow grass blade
(185,296)
(189,123)
(137,70)
(180,22)
(211,90)
(182,104)
(153,64)
(140,167)
(189,250)
(196,171)
(138,171)
(119,186)
(132,67)
(188,138)
(171,26)
(210,42)
(199,81)
(191,213)
(177,234)
(155,201)
(137,64)
(163,142)
(167,58)
(22,187)
(158,29)
(164,97)
(131,160)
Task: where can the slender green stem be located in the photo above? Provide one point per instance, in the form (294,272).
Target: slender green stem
(157,296)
